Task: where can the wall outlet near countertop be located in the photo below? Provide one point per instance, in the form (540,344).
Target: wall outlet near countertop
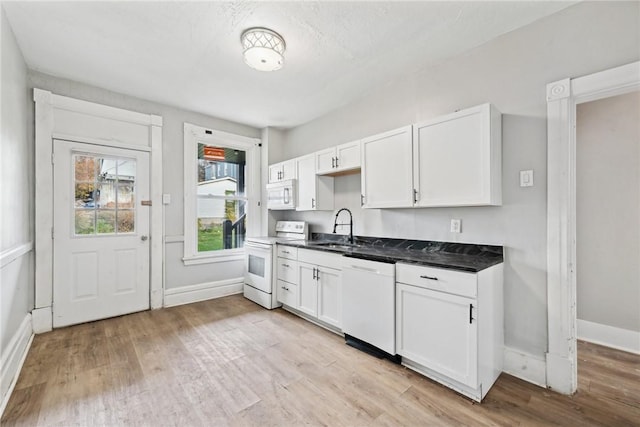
(456,226)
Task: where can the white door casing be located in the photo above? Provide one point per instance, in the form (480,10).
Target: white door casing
(101,232)
(562,98)
(61,117)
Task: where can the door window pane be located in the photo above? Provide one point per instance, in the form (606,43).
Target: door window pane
(125,198)
(106,222)
(104,199)
(125,221)
(85,221)
(85,168)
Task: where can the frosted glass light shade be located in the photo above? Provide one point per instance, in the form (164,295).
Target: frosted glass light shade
(263,49)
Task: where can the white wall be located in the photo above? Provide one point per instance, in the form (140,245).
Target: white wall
(176,273)
(16,194)
(608,211)
(511,72)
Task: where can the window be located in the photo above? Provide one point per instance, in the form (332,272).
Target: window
(104,201)
(220,201)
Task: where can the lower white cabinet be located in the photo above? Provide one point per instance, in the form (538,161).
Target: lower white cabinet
(437,330)
(320,293)
(449,325)
(314,288)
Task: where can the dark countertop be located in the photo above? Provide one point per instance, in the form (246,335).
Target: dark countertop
(455,256)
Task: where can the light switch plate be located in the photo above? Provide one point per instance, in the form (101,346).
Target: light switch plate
(166,199)
(456,226)
(526,178)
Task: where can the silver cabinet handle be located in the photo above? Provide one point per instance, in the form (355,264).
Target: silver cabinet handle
(336,161)
(429,277)
(313,202)
(144,238)
(362,200)
(333,162)
(286,265)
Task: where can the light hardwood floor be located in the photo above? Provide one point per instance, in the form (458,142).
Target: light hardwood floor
(230,362)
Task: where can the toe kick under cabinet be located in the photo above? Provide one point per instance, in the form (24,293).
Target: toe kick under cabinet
(449,325)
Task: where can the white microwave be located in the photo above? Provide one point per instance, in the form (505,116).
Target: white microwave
(281,195)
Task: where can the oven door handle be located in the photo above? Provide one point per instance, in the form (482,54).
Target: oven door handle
(259,246)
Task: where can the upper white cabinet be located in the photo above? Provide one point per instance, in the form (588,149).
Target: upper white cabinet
(342,158)
(457,159)
(387,169)
(282,171)
(314,192)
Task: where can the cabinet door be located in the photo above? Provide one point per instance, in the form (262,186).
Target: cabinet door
(454,159)
(387,171)
(308,289)
(439,331)
(306,183)
(348,156)
(330,296)
(289,169)
(275,173)
(326,161)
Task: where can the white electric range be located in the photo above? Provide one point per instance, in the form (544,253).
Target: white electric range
(260,262)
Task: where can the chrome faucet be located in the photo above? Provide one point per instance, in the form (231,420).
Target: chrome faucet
(335,224)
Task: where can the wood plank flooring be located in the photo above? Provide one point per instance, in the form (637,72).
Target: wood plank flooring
(230,362)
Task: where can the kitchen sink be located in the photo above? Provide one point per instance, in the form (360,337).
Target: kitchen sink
(336,245)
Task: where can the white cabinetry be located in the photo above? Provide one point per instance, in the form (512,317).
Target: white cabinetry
(314,192)
(457,159)
(449,325)
(320,294)
(282,171)
(387,169)
(342,158)
(287,275)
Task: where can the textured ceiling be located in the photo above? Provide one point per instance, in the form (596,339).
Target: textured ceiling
(188,54)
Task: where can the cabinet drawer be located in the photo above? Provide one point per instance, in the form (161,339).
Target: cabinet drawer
(288,270)
(287,293)
(438,279)
(287,252)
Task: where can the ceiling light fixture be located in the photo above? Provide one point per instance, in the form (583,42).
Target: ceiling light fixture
(263,49)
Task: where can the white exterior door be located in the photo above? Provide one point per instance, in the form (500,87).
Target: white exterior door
(101,232)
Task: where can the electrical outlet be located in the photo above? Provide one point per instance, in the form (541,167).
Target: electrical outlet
(456,226)
(166,199)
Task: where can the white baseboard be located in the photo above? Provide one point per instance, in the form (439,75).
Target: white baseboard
(202,291)
(42,319)
(609,336)
(13,358)
(525,366)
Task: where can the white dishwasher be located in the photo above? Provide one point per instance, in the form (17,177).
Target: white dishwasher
(368,305)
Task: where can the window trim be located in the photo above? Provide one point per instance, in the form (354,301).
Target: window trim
(193,135)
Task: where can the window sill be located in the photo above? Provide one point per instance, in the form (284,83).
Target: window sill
(225,256)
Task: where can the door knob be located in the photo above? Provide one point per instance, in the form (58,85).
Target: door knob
(144,238)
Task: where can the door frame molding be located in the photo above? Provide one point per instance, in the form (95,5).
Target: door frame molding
(562,98)
(57,117)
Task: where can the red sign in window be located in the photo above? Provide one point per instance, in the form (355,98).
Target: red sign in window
(213,153)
